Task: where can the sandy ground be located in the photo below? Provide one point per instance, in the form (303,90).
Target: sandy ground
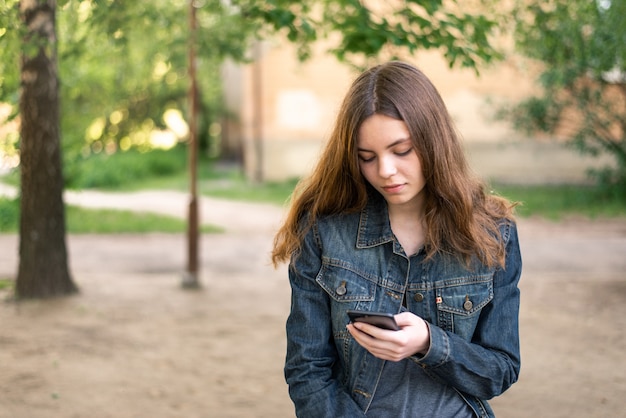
(133,343)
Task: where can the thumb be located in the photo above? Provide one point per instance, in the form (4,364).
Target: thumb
(406,318)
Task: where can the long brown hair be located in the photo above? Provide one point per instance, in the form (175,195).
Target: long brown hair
(460,217)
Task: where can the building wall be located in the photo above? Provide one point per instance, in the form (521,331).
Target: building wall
(285,109)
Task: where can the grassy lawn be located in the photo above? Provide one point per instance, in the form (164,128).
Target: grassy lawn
(549,201)
(218,180)
(166,171)
(102,221)
(558,201)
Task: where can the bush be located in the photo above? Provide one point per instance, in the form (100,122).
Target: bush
(9,214)
(580,44)
(113,171)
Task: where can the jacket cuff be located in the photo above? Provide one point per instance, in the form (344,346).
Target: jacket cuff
(439,349)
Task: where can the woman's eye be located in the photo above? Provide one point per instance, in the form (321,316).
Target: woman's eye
(366,159)
(403,153)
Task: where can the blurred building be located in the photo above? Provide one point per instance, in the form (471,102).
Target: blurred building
(282,111)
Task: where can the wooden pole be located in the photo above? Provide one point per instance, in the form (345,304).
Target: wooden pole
(190,278)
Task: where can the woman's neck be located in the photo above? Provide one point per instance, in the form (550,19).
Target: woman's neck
(408,226)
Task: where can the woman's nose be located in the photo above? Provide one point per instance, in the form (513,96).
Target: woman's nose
(386,167)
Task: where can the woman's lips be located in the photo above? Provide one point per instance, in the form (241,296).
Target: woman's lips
(394,188)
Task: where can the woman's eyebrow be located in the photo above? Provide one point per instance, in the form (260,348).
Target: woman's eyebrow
(393,144)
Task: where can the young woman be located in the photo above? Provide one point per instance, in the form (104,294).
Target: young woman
(391,220)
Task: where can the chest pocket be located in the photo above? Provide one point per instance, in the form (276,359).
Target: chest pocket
(460,301)
(344,283)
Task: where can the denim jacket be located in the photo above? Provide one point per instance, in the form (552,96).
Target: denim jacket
(353,261)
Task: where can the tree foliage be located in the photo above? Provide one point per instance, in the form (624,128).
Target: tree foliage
(123,64)
(581,45)
(369,28)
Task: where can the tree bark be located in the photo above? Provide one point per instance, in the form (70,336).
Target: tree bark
(43,267)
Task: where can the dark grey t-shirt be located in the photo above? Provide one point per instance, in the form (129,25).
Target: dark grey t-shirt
(406,391)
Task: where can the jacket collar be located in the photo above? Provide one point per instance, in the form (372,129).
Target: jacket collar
(374,226)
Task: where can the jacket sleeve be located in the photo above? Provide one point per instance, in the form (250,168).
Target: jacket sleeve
(311,353)
(489,364)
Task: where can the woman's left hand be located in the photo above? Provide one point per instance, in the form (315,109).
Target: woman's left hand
(412,338)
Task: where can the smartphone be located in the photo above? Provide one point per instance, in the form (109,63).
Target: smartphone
(380,319)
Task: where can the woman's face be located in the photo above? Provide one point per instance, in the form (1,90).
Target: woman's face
(389,162)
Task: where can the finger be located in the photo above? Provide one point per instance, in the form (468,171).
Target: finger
(377,347)
(359,335)
(371,330)
(363,338)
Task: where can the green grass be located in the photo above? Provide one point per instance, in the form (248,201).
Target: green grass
(228,181)
(102,221)
(6,284)
(549,201)
(558,201)
(271,192)
(167,171)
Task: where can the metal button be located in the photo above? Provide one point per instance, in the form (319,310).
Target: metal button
(341,290)
(468,305)
(418,297)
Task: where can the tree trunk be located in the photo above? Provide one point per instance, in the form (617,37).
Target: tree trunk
(43,267)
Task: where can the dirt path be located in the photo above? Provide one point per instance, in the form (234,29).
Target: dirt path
(134,344)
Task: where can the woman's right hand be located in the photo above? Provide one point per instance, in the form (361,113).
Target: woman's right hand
(412,338)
